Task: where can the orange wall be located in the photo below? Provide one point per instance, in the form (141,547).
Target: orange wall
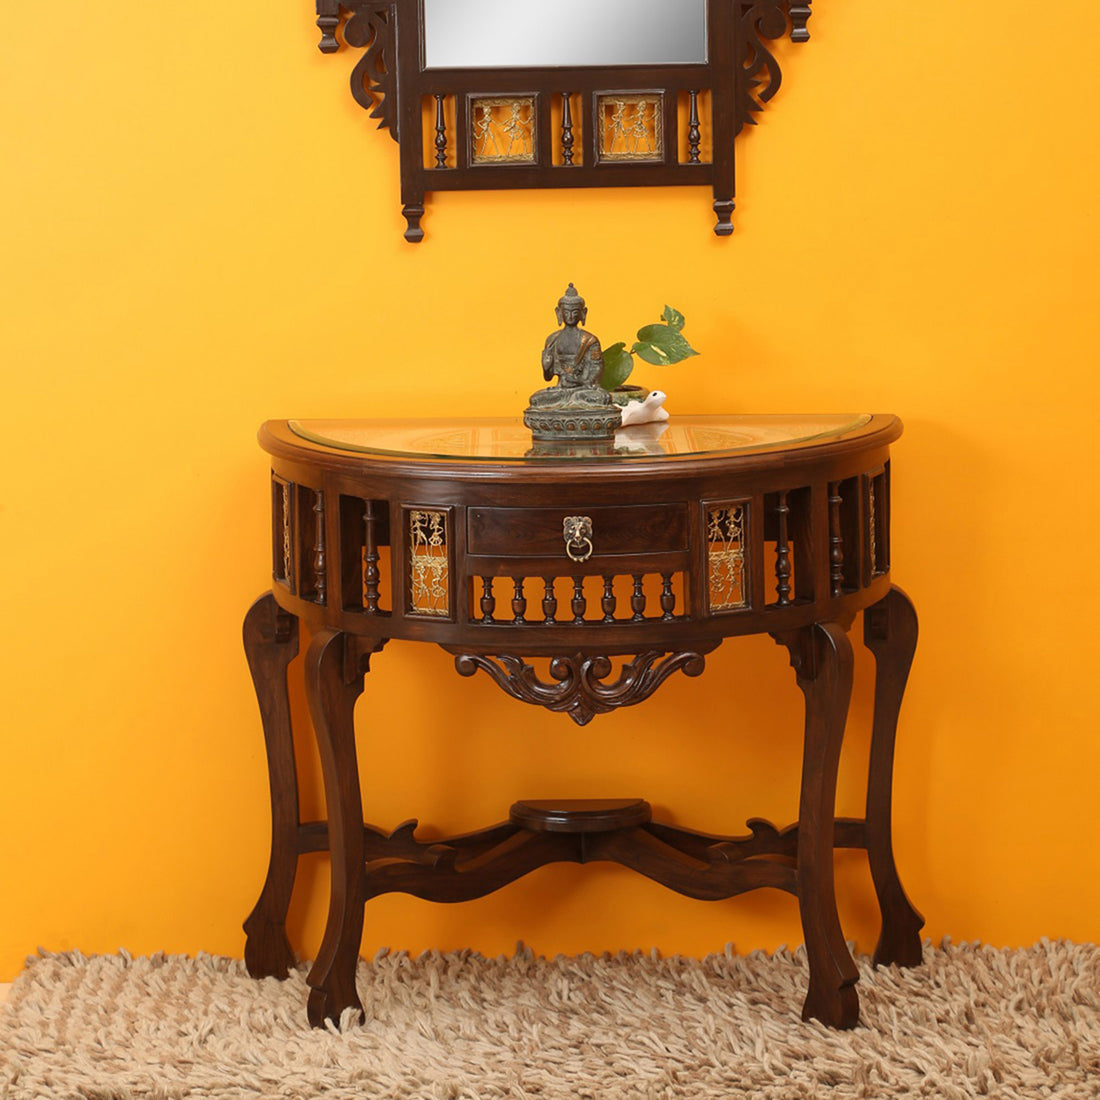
(201,230)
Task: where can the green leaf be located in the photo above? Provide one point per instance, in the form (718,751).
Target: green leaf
(661,344)
(617,365)
(673,318)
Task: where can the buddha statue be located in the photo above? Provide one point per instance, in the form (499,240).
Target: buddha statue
(577,407)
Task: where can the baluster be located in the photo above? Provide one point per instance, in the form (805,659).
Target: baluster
(549,600)
(488,600)
(371,576)
(577,604)
(607,602)
(440,133)
(566,129)
(319,545)
(694,134)
(668,597)
(836,545)
(519,602)
(637,600)
(783,555)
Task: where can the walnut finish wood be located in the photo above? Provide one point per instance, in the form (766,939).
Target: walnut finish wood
(335,666)
(890,633)
(806,570)
(580,815)
(821,656)
(392,81)
(270,644)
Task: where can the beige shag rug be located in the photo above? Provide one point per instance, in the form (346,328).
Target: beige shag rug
(972,1022)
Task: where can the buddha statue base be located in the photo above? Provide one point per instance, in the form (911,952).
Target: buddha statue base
(578,424)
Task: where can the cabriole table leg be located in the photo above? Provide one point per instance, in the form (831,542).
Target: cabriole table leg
(335,667)
(890,633)
(822,658)
(270,644)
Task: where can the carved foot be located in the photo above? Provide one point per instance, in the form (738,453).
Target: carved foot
(325,1005)
(834,1005)
(412,213)
(723,211)
(267,950)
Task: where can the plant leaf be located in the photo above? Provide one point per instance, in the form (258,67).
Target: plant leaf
(617,365)
(673,318)
(661,344)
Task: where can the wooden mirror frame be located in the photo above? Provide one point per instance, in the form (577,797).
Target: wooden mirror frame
(553,104)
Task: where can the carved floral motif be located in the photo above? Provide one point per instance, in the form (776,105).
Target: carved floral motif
(579,688)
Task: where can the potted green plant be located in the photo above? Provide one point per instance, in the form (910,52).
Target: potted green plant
(660,343)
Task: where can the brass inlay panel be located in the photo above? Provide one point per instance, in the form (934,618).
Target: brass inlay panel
(502,129)
(629,127)
(871,525)
(429,572)
(286,532)
(726,559)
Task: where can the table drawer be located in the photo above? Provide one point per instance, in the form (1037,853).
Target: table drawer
(537,532)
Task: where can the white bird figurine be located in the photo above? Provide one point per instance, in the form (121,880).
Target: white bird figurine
(647,411)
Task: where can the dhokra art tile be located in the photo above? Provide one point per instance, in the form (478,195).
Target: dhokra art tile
(629,127)
(429,567)
(502,129)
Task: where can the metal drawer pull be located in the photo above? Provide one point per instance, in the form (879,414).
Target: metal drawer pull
(577,532)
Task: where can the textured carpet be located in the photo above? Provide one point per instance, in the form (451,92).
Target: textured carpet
(972,1022)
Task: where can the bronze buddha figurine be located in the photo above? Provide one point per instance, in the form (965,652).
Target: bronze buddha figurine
(577,406)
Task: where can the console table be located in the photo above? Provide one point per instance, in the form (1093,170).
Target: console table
(579,577)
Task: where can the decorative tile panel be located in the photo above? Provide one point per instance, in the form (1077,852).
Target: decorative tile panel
(502,129)
(429,563)
(727,570)
(629,126)
(282,510)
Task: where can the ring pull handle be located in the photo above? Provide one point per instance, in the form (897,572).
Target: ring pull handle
(577,532)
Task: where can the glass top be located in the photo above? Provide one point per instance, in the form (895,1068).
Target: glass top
(507,438)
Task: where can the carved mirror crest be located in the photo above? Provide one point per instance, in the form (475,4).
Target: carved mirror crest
(503,94)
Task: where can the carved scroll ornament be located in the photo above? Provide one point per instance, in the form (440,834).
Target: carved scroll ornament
(578,687)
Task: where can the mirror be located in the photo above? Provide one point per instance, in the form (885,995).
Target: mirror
(494,34)
(514,94)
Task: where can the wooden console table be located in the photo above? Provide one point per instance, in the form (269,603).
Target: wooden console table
(579,578)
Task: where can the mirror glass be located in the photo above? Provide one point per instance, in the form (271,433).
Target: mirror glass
(495,34)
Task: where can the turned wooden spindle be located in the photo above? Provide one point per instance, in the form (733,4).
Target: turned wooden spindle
(371,575)
(440,133)
(578,603)
(668,597)
(607,601)
(694,133)
(637,599)
(836,541)
(566,129)
(549,600)
(488,600)
(319,545)
(783,554)
(519,602)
